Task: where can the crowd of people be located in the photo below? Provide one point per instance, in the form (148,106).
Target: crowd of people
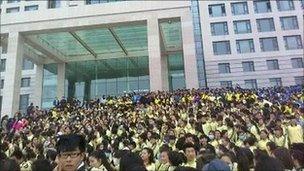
(205,129)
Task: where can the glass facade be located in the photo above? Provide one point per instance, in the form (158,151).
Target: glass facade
(219,28)
(217,10)
(289,23)
(242,26)
(116,76)
(245,46)
(176,72)
(239,8)
(265,25)
(262,6)
(49,85)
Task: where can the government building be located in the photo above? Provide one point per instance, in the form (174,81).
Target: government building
(90,48)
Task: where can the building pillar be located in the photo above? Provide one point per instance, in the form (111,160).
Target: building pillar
(190,64)
(12,79)
(60,80)
(37,100)
(158,68)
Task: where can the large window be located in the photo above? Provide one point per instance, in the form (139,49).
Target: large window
(27,64)
(299,80)
(293,42)
(221,48)
(31,8)
(2,65)
(53,3)
(269,44)
(219,28)
(12,10)
(285,5)
(272,64)
(265,24)
(262,6)
(245,46)
(25,82)
(242,26)
(24,102)
(224,68)
(239,8)
(248,66)
(225,84)
(217,10)
(251,84)
(274,82)
(289,23)
(96,1)
(297,63)
(12,1)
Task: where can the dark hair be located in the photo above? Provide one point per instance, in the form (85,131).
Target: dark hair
(184,168)
(70,143)
(284,156)
(9,165)
(100,155)
(130,161)
(244,159)
(18,154)
(150,152)
(44,165)
(51,155)
(266,163)
(176,158)
(188,145)
(271,145)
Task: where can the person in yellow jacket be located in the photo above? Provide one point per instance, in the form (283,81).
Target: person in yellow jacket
(295,132)
(262,143)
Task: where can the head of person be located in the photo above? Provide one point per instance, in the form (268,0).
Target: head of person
(17,156)
(9,165)
(71,151)
(43,164)
(265,163)
(95,159)
(129,161)
(190,151)
(164,156)
(147,155)
(284,156)
(216,164)
(176,158)
(263,134)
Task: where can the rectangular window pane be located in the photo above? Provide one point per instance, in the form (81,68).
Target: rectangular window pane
(262,6)
(265,25)
(25,82)
(24,102)
(285,5)
(299,80)
(53,3)
(2,65)
(222,47)
(12,10)
(272,64)
(297,63)
(239,8)
(220,28)
(293,42)
(289,23)
(241,27)
(251,84)
(224,68)
(274,82)
(12,1)
(248,66)
(31,8)
(269,44)
(27,64)
(225,84)
(245,46)
(217,10)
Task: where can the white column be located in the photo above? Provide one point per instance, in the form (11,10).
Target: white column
(12,79)
(158,69)
(189,51)
(60,79)
(38,85)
